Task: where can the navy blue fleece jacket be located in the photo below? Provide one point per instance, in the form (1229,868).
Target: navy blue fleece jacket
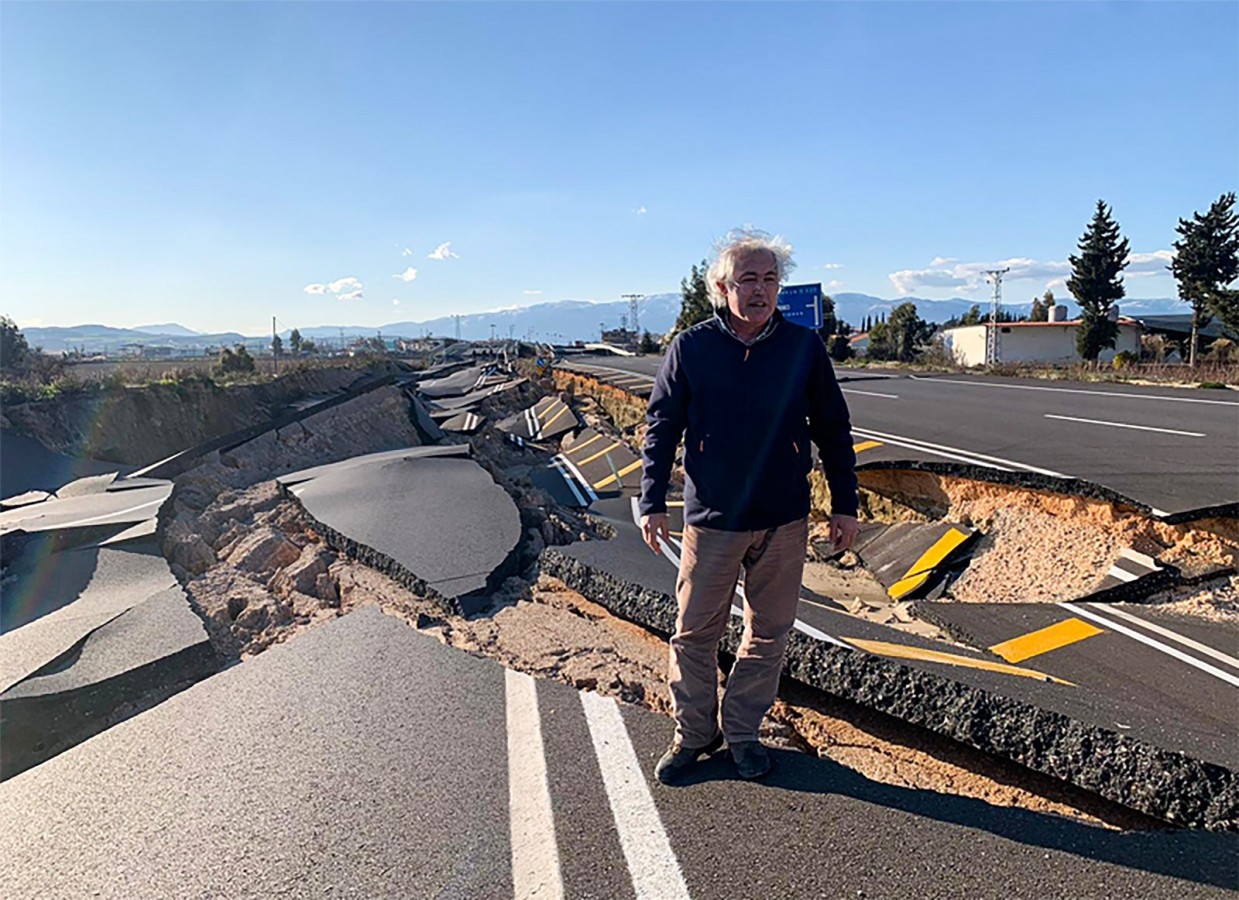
(747,414)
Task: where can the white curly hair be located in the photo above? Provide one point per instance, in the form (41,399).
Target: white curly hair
(742,240)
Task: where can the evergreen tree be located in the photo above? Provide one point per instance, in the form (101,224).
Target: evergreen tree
(648,344)
(13,347)
(907,331)
(1036,312)
(880,346)
(695,303)
(294,342)
(277,345)
(1047,304)
(1096,282)
(972,316)
(1206,262)
(839,347)
(829,321)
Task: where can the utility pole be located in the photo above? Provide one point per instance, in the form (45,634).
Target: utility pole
(492,332)
(633,300)
(991,338)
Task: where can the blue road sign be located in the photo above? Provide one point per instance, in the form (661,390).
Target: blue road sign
(801,304)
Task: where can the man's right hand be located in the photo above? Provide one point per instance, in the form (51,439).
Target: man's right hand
(654,526)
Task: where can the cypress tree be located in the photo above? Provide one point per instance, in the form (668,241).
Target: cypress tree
(1206,262)
(1096,282)
(695,303)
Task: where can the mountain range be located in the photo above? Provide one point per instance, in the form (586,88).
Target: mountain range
(559,321)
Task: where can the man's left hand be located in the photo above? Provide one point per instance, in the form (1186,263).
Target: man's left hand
(843,531)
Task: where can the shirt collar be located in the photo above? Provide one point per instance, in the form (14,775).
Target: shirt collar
(724,316)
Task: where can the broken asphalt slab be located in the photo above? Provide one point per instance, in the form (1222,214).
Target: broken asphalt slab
(140,656)
(87,632)
(439,525)
(549,418)
(393,780)
(27,465)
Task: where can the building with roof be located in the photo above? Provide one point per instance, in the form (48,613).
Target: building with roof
(1035,342)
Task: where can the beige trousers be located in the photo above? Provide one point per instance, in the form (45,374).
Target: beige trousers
(710,565)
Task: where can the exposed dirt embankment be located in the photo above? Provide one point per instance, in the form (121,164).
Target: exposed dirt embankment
(141,425)
(1040,546)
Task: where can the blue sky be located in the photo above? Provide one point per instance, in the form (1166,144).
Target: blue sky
(216,164)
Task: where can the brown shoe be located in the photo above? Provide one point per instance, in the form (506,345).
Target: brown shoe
(679,760)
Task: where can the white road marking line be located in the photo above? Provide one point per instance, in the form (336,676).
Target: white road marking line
(579,477)
(1122,574)
(535,854)
(869,393)
(563,473)
(1167,633)
(901,442)
(1135,556)
(994,462)
(1125,425)
(655,871)
(1029,387)
(1156,645)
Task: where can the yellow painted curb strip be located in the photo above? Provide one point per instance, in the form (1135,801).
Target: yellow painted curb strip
(546,425)
(575,447)
(622,472)
(1060,634)
(930,559)
(903,651)
(865,445)
(590,459)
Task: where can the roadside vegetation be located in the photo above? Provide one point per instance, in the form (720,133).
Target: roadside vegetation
(28,374)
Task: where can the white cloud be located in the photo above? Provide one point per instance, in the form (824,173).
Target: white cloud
(344,284)
(971,276)
(351,295)
(640,210)
(395,302)
(832,285)
(407,275)
(316,288)
(833,266)
(406,252)
(531,293)
(443,251)
(1143,265)
(943,260)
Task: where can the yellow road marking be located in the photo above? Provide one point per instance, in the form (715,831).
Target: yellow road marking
(1060,634)
(865,445)
(583,462)
(675,503)
(622,472)
(930,559)
(575,447)
(548,408)
(903,651)
(546,425)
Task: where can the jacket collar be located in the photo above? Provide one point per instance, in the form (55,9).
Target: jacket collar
(724,319)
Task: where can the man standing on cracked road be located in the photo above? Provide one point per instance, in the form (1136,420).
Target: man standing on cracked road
(747,391)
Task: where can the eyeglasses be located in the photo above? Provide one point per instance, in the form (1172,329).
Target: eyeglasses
(748,284)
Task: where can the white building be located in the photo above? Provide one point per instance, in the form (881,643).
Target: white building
(1044,342)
